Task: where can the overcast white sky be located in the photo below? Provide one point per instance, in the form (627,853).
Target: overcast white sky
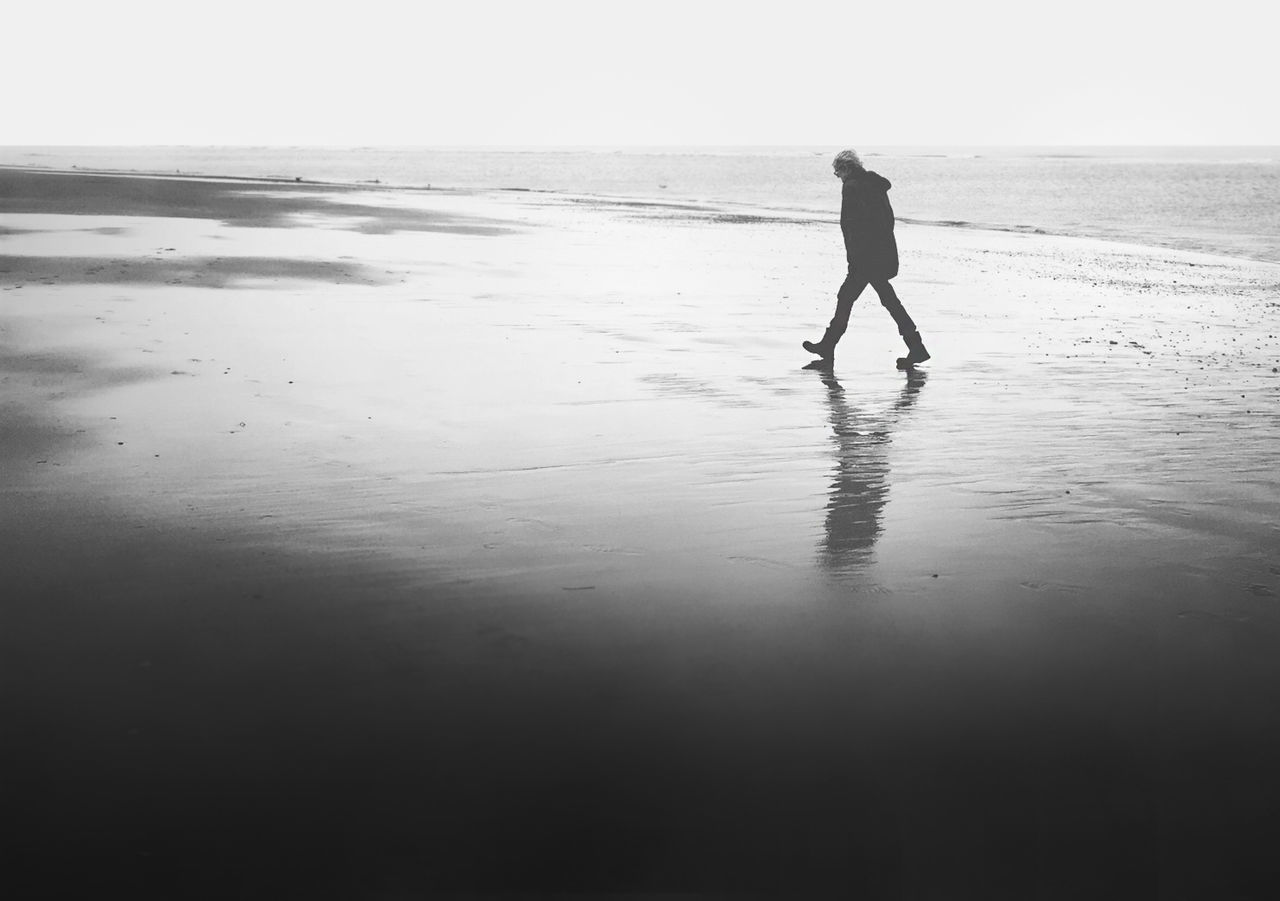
(560,72)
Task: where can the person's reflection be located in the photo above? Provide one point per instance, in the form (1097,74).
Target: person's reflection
(860,482)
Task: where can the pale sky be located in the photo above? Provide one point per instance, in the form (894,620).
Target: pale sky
(562,72)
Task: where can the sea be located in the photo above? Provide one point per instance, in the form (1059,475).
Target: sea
(1221,200)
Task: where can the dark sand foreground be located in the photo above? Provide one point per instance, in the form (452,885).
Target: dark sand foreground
(362,543)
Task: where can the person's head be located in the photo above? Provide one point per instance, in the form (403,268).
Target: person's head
(846,163)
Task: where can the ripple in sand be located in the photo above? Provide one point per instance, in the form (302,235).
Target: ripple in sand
(1054,586)
(607,549)
(761,561)
(1213,617)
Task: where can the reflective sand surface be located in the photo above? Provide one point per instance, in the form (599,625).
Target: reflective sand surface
(506,543)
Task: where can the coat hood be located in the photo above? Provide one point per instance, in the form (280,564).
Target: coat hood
(874,179)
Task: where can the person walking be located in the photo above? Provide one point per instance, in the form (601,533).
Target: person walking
(866,219)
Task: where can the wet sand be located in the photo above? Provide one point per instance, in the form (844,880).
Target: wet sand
(363,542)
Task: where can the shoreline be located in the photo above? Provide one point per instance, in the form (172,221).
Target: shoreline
(712,207)
(492,541)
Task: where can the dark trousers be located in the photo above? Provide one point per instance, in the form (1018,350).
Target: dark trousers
(854,285)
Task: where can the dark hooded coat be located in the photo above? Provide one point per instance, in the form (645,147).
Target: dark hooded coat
(866,218)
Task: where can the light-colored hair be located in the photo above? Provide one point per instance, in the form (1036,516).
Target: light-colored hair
(847,160)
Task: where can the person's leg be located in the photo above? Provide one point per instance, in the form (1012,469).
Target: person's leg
(889,299)
(916,352)
(848,293)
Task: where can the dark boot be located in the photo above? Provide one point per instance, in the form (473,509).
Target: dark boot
(826,348)
(915,351)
